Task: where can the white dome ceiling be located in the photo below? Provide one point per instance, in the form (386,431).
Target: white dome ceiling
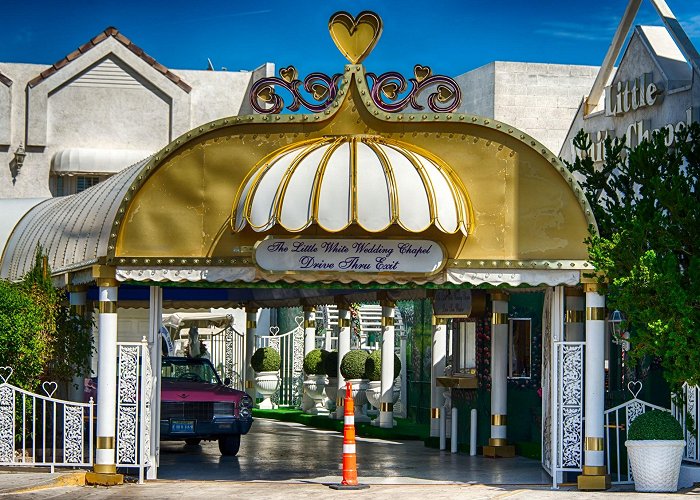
(366,180)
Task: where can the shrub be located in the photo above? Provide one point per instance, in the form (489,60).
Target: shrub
(266,359)
(353,364)
(373,366)
(314,362)
(655,424)
(330,364)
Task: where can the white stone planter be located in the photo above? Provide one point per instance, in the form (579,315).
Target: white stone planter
(374,393)
(359,397)
(314,386)
(656,464)
(331,393)
(267,383)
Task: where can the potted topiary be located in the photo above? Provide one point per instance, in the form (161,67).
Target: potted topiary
(266,362)
(352,368)
(315,380)
(373,372)
(330,367)
(655,448)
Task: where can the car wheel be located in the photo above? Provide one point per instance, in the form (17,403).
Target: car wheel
(193,441)
(229,445)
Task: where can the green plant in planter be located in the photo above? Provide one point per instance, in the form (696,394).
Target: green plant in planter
(314,362)
(330,364)
(373,366)
(266,359)
(353,364)
(656,425)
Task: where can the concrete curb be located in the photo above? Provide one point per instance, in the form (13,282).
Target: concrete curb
(65,479)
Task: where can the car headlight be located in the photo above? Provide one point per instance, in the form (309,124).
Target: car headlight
(245,407)
(224,409)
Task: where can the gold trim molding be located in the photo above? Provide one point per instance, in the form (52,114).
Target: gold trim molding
(387,321)
(574,316)
(595,313)
(498,419)
(437,321)
(386,407)
(502,296)
(499,319)
(343,322)
(497,442)
(251,324)
(309,323)
(105,443)
(105,468)
(435,413)
(594,470)
(594,444)
(107,307)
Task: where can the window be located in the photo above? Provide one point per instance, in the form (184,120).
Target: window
(60,190)
(464,343)
(82,183)
(519,348)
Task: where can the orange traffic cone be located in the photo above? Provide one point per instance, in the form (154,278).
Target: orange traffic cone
(349,454)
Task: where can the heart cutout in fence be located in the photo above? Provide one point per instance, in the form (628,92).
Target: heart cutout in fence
(355,37)
(274,330)
(49,388)
(635,387)
(5,373)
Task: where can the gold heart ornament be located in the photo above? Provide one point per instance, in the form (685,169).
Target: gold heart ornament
(355,37)
(288,74)
(422,72)
(444,93)
(390,90)
(319,91)
(265,93)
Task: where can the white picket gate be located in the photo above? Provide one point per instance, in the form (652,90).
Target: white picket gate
(40,430)
(290,346)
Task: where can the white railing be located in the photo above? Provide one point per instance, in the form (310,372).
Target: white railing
(40,430)
(617,423)
(290,346)
(134,398)
(691,428)
(227,354)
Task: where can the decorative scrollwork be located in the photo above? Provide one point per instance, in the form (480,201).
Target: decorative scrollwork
(127,399)
(572,437)
(228,355)
(571,408)
(128,375)
(7,423)
(73,434)
(386,90)
(322,88)
(146,452)
(692,409)
(126,435)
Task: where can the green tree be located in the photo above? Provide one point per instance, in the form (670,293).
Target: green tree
(647,205)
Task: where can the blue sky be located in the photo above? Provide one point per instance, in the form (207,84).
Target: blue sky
(451,36)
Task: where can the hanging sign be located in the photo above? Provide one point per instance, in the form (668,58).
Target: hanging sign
(452,303)
(276,254)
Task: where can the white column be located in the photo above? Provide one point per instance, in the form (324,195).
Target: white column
(574,327)
(155,343)
(594,472)
(439,352)
(251,325)
(386,407)
(499,368)
(343,349)
(106,377)
(309,329)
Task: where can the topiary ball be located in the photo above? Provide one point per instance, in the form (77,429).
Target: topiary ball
(353,364)
(655,424)
(373,366)
(330,364)
(266,359)
(313,362)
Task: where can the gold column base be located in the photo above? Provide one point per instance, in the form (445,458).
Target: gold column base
(493,450)
(593,482)
(104,478)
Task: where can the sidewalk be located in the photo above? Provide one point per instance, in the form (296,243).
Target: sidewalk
(13,481)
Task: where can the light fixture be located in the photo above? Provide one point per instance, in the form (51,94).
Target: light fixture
(20,155)
(619,336)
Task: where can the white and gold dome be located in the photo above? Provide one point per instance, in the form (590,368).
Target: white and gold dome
(335,182)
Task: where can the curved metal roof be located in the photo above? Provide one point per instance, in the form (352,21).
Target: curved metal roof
(72,230)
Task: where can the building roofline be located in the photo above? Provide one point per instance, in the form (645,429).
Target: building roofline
(114,33)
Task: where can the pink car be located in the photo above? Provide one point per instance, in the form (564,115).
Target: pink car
(195,405)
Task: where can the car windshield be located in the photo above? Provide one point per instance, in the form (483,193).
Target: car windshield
(189,370)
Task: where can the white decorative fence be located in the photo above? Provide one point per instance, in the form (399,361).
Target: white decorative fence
(40,430)
(617,423)
(134,400)
(691,428)
(290,346)
(227,354)
(567,408)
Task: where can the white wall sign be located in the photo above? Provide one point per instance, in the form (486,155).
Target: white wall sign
(452,303)
(277,254)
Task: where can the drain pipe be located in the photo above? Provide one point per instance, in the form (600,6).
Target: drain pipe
(453,435)
(472,434)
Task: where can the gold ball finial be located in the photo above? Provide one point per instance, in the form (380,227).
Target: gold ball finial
(355,37)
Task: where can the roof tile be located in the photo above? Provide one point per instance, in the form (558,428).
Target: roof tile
(113,32)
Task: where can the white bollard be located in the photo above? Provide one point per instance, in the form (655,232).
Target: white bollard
(443,429)
(453,434)
(472,434)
